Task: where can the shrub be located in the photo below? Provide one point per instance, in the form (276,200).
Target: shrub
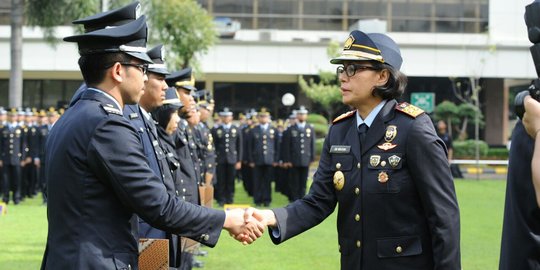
(320,130)
(316,119)
(497,153)
(318,147)
(466,149)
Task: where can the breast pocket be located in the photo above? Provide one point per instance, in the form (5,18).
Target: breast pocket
(342,165)
(399,246)
(386,173)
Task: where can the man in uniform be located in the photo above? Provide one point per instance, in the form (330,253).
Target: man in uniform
(228,142)
(299,152)
(43,132)
(385,166)
(262,149)
(11,150)
(246,170)
(97,173)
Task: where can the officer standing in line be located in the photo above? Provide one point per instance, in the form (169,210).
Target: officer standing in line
(299,152)
(206,141)
(11,150)
(385,166)
(93,150)
(3,123)
(247,171)
(280,172)
(43,132)
(184,83)
(263,156)
(228,143)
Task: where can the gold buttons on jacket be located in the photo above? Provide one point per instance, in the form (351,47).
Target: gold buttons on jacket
(399,249)
(357,191)
(338,165)
(358,244)
(357,217)
(358,165)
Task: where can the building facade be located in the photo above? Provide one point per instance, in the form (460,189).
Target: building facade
(280,40)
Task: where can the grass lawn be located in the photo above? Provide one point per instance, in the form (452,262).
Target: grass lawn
(23,233)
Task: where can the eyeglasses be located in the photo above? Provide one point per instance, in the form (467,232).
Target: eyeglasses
(141,67)
(350,70)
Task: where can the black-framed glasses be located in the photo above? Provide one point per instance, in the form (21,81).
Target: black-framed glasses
(351,69)
(142,67)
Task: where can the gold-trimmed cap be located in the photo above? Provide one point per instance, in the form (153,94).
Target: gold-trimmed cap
(360,46)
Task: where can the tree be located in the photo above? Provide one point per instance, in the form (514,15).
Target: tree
(448,112)
(15,75)
(183,26)
(326,91)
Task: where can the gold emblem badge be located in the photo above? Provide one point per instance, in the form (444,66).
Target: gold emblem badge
(374,160)
(219,133)
(394,160)
(348,43)
(339,180)
(382,178)
(386,146)
(271,131)
(391,133)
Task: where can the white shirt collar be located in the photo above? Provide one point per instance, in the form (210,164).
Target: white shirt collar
(109,97)
(145,113)
(301,124)
(371,116)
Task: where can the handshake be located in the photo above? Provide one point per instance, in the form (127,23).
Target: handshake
(246,225)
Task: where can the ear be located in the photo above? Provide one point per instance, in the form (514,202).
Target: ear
(384,75)
(117,72)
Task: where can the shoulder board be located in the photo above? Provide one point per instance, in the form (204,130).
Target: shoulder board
(409,109)
(111,110)
(343,116)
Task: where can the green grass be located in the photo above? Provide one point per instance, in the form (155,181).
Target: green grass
(23,233)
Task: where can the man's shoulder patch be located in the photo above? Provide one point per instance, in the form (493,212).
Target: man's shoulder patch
(110,109)
(409,109)
(344,116)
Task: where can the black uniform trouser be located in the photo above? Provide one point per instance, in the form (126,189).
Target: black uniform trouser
(29,178)
(42,182)
(12,181)
(262,178)
(225,182)
(247,178)
(297,182)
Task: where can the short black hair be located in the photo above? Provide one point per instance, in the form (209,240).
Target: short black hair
(93,67)
(394,87)
(162,115)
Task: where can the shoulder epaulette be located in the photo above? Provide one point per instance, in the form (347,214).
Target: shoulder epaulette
(409,109)
(110,109)
(343,116)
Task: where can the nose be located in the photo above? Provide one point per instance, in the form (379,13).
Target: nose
(145,77)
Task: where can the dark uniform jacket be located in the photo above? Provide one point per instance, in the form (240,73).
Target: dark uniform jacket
(228,144)
(188,174)
(98,178)
(520,247)
(12,145)
(406,220)
(262,145)
(205,145)
(299,145)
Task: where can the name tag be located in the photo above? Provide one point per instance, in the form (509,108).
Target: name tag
(340,149)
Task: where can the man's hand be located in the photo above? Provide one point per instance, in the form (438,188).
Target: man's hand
(252,165)
(531,118)
(37,162)
(238,165)
(244,230)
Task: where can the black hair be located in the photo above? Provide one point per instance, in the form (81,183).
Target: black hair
(394,87)
(93,67)
(162,115)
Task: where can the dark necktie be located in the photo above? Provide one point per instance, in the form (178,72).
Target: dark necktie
(362,130)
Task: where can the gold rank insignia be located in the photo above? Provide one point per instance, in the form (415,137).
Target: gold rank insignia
(382,178)
(349,42)
(339,180)
(394,160)
(409,109)
(219,132)
(386,146)
(374,160)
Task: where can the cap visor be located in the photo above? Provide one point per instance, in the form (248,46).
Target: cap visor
(344,58)
(141,56)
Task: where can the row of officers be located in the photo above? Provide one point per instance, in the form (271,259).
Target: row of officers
(22,140)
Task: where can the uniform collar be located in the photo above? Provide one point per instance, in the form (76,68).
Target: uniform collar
(108,96)
(145,113)
(371,116)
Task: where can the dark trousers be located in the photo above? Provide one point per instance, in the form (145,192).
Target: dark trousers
(262,190)
(297,182)
(12,181)
(225,182)
(247,178)
(29,179)
(42,182)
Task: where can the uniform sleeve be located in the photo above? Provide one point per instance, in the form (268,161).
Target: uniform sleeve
(239,145)
(311,210)
(313,139)
(285,146)
(429,169)
(116,156)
